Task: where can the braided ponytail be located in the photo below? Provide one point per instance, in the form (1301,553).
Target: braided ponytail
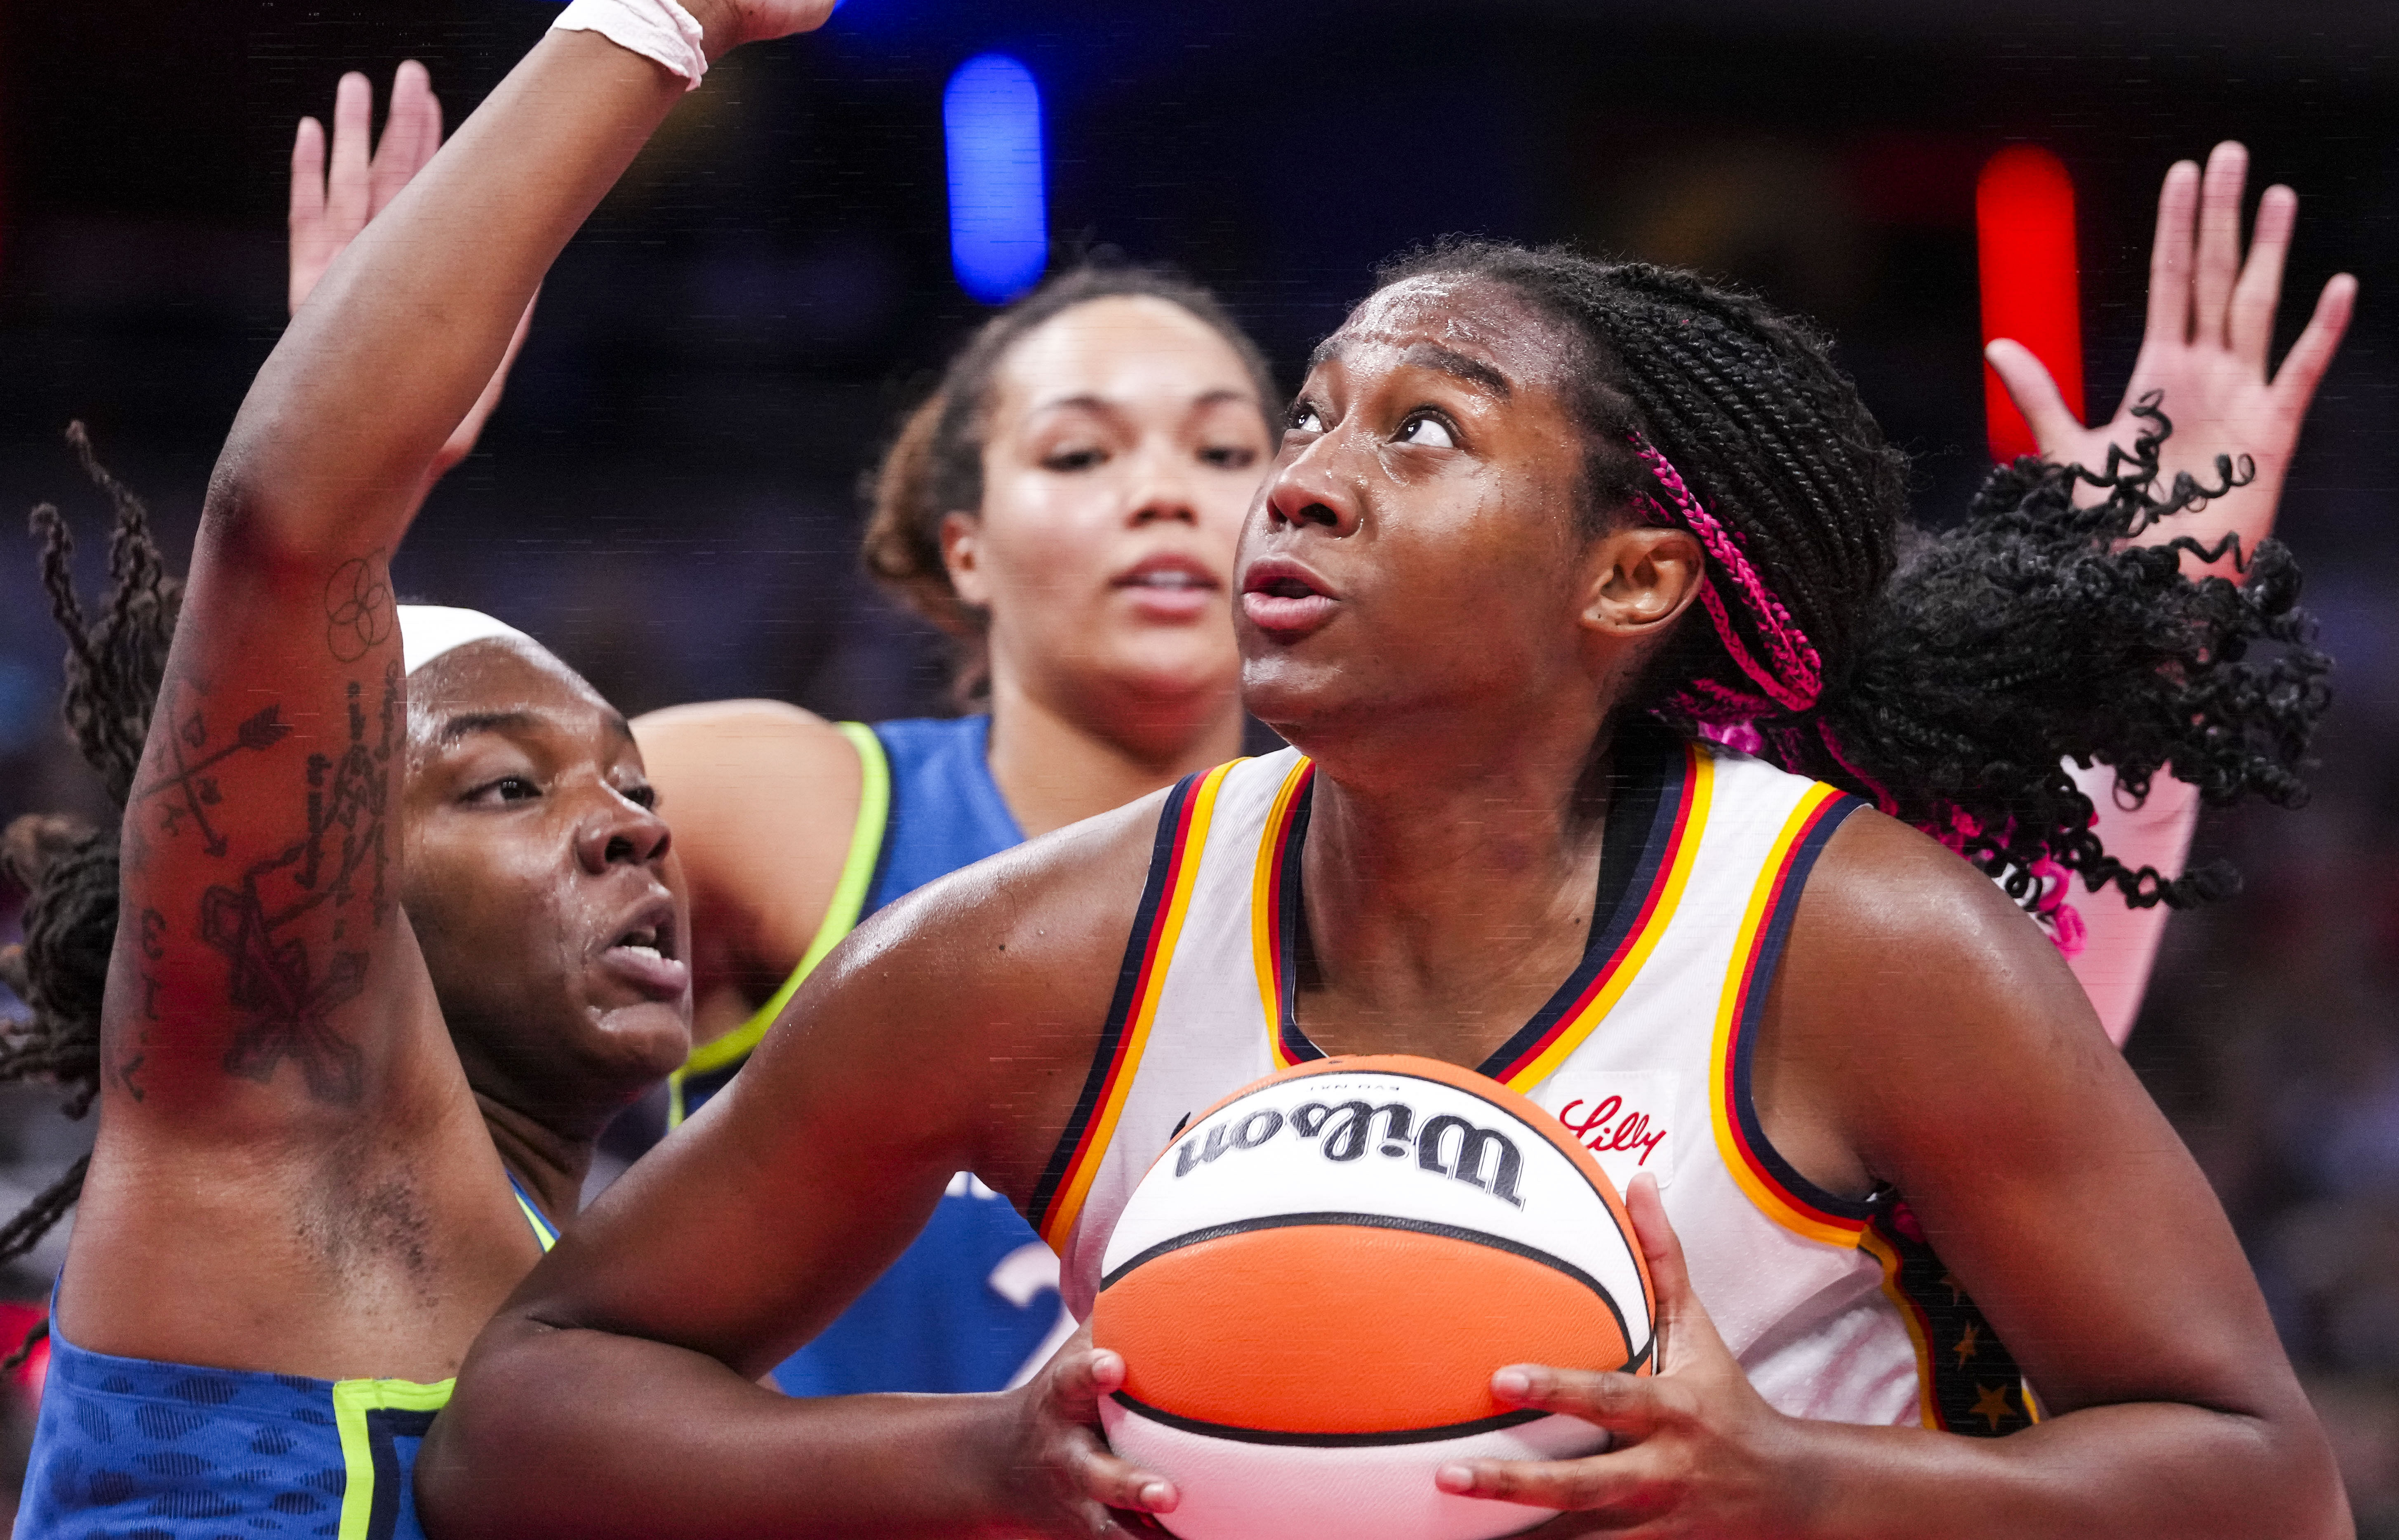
(1949,687)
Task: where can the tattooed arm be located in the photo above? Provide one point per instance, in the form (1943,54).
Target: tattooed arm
(282,1111)
(260,855)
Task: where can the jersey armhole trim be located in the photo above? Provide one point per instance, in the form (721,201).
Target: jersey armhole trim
(370,1415)
(841,915)
(1772,1184)
(543,1230)
(1175,853)
(1968,1382)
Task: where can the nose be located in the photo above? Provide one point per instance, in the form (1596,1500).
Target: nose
(1162,495)
(1306,491)
(618,831)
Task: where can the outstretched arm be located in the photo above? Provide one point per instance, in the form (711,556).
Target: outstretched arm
(261,863)
(2207,349)
(329,210)
(265,994)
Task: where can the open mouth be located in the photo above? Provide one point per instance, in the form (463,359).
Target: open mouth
(642,954)
(1285,600)
(651,941)
(1169,579)
(1171,587)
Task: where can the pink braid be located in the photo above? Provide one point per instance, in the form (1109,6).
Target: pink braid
(1798,677)
(1741,735)
(2060,920)
(1776,691)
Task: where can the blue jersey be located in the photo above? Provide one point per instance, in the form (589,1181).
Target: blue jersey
(972,1305)
(132,1449)
(945,811)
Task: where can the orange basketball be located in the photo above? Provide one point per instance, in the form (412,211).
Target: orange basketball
(1312,1287)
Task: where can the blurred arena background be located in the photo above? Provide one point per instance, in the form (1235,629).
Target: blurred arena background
(717,356)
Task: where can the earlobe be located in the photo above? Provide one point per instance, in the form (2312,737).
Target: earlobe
(1642,579)
(961,554)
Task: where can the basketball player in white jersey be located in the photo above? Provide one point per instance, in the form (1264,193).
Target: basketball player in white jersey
(1541,534)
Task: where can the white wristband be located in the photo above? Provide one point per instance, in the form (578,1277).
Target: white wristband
(655,29)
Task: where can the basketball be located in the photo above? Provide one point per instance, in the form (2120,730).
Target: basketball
(1314,1283)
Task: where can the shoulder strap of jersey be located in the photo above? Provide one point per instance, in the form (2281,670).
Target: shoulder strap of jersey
(543,1230)
(841,916)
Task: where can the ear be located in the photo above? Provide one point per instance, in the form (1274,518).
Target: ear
(1639,579)
(961,553)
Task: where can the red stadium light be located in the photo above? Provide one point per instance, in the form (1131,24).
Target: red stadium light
(2024,220)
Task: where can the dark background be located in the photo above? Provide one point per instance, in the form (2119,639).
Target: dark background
(667,496)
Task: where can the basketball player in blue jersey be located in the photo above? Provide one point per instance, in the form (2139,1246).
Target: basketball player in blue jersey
(1065,506)
(1540,533)
(395,927)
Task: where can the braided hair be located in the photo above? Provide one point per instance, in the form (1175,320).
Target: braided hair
(1947,677)
(69,870)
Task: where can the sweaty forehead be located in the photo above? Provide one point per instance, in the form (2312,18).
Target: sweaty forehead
(1475,317)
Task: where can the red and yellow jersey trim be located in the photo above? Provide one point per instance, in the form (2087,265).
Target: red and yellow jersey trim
(1653,845)
(1274,887)
(1879,1247)
(1173,870)
(1968,1382)
(1778,1190)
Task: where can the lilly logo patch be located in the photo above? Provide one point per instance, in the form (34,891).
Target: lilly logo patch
(1623,1117)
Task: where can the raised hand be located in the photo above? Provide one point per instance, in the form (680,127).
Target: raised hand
(330,208)
(2211,327)
(1696,1450)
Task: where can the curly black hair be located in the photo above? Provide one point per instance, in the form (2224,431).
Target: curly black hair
(68,870)
(1953,685)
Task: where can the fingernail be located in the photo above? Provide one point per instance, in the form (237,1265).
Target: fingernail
(1511,1382)
(1453,1479)
(1158,1497)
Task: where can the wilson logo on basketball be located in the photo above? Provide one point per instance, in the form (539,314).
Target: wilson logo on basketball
(1484,1158)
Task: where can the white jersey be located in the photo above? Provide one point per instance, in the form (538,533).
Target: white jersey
(1836,1307)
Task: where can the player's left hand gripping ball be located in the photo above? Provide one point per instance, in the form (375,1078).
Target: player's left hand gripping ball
(1696,1451)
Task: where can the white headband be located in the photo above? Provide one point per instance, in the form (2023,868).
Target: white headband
(428,630)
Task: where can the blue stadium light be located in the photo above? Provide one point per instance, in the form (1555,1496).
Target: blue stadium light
(999,217)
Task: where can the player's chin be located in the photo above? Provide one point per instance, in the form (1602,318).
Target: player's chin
(1279,687)
(642,1040)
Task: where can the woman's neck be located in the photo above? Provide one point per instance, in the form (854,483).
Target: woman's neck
(1054,767)
(550,1165)
(1445,904)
